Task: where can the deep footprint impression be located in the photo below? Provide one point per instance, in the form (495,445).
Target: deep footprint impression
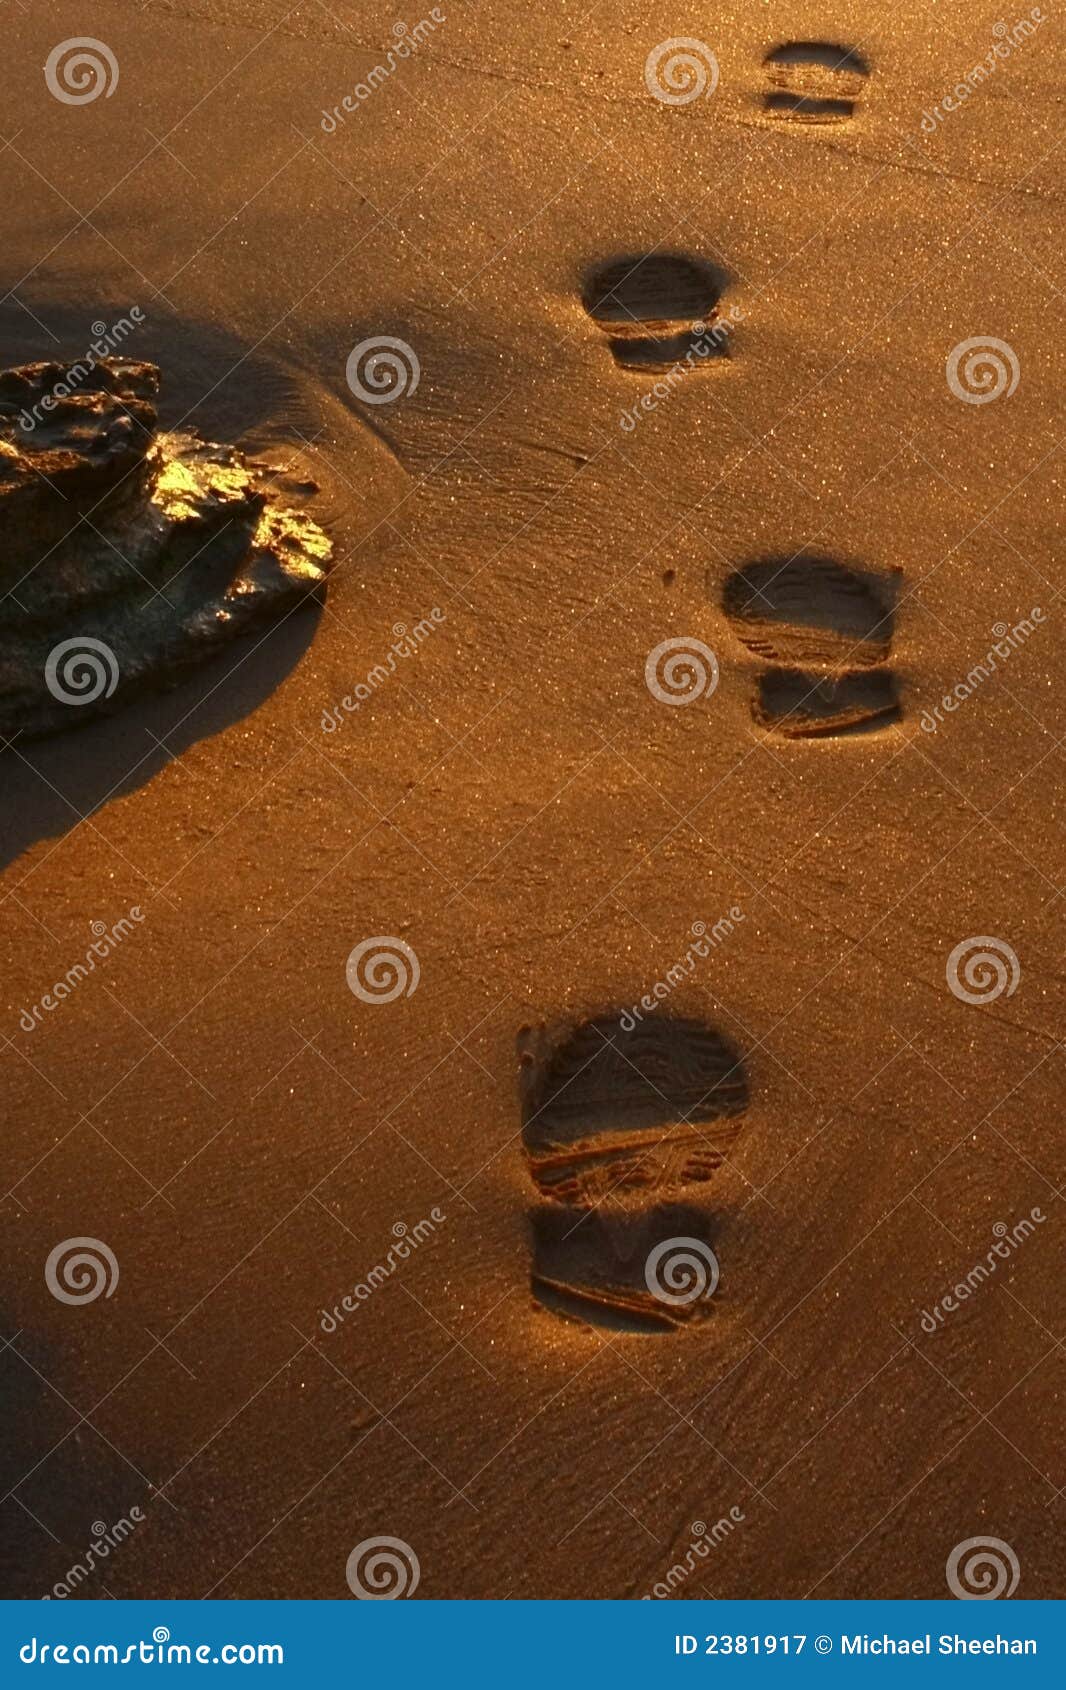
(827,628)
(592,1266)
(616,1124)
(655,309)
(800,705)
(814,82)
(130,557)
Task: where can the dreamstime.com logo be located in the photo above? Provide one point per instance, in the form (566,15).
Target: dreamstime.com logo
(78,71)
(380,1569)
(81,1269)
(982,1569)
(160,1650)
(681,1270)
(382,969)
(382,369)
(680,70)
(981,969)
(982,369)
(679,671)
(81,670)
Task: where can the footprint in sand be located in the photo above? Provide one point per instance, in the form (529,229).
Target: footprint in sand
(616,1124)
(656,309)
(814,82)
(826,629)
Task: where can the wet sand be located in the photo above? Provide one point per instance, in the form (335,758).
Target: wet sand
(247,1135)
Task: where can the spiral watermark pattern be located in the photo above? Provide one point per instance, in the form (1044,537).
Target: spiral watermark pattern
(981,969)
(382,369)
(382,969)
(380,1569)
(81,1269)
(680,70)
(681,1270)
(982,369)
(81,670)
(982,1569)
(680,671)
(78,71)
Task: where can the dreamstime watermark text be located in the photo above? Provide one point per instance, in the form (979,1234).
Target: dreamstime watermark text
(406,643)
(704,940)
(704,1539)
(107,339)
(1007,38)
(1008,640)
(405,44)
(105,1538)
(105,941)
(707,339)
(406,1241)
(1008,1240)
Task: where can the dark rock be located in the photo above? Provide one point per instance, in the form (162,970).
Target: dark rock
(127,557)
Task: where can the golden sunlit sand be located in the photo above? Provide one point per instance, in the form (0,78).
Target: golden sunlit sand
(685,447)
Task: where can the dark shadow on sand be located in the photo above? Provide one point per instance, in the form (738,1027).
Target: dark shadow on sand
(49,785)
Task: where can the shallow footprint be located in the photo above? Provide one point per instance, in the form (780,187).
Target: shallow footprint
(812,610)
(656,308)
(606,1110)
(814,82)
(612,1115)
(804,706)
(829,629)
(651,1272)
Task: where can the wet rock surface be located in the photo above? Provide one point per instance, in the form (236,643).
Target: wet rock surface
(127,557)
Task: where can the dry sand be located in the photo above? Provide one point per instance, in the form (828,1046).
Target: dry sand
(242,1131)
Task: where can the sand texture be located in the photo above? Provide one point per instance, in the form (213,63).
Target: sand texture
(598,873)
